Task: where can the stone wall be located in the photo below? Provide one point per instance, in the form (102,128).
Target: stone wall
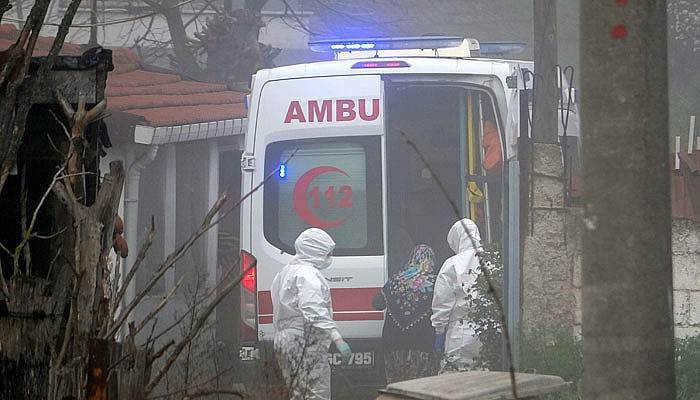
(552,257)
(686,276)
(548,296)
(549,299)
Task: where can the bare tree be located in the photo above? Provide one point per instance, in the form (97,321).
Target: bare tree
(229,40)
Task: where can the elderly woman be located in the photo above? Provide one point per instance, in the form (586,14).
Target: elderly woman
(408,335)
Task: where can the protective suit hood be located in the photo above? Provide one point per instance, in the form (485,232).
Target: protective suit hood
(314,248)
(458,238)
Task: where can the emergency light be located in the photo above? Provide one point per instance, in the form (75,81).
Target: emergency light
(393,43)
(452,46)
(283,171)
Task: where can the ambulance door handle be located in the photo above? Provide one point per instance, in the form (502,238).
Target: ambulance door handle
(247,162)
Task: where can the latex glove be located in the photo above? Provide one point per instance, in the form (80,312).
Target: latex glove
(344,349)
(440,343)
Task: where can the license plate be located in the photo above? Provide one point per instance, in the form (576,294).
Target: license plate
(359,360)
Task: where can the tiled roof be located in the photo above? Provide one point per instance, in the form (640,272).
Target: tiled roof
(165,99)
(156,98)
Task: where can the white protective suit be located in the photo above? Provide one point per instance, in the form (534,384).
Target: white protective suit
(303,317)
(454,282)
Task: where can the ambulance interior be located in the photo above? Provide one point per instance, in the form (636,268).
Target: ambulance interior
(454,130)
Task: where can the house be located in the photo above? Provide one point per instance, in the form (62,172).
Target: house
(181,143)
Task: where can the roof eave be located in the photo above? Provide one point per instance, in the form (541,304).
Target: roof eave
(156,135)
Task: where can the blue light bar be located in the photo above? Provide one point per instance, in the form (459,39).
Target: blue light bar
(282,171)
(494,48)
(352,46)
(397,43)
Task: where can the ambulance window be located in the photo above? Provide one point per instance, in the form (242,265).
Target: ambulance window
(333,184)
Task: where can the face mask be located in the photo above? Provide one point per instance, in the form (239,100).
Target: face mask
(326,262)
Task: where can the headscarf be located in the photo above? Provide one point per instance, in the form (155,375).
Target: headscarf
(409,292)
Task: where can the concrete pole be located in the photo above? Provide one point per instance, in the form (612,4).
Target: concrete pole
(93,23)
(548,295)
(544,123)
(627,273)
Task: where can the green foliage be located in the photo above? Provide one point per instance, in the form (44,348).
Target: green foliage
(543,351)
(484,314)
(552,351)
(556,351)
(688,368)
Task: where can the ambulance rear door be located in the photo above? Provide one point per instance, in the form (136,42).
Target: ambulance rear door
(320,142)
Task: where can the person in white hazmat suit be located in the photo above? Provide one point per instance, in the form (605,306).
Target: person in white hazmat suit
(303,318)
(453,337)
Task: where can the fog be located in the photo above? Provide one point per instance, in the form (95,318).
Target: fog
(470,189)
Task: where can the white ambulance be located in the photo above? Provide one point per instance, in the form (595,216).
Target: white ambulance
(340,138)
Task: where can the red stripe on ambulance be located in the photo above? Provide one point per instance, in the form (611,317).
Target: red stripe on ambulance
(348,305)
(339,110)
(341,316)
(353,299)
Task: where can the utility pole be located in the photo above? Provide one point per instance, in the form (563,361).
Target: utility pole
(627,272)
(544,119)
(549,306)
(93,23)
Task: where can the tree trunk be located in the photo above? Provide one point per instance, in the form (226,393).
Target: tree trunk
(186,61)
(24,351)
(627,272)
(92,229)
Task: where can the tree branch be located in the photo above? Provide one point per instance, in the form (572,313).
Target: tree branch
(79,120)
(143,251)
(61,34)
(71,321)
(169,262)
(199,386)
(158,354)
(201,320)
(160,306)
(23,220)
(200,301)
(187,62)
(64,196)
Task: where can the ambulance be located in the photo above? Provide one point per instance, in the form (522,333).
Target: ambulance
(377,147)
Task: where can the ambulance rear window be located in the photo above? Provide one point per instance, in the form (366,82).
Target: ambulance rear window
(329,183)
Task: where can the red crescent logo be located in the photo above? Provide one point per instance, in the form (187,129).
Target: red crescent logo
(299,198)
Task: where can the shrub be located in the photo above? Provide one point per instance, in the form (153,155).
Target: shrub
(484,314)
(688,368)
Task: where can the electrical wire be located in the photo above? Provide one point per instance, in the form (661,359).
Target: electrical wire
(115,22)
